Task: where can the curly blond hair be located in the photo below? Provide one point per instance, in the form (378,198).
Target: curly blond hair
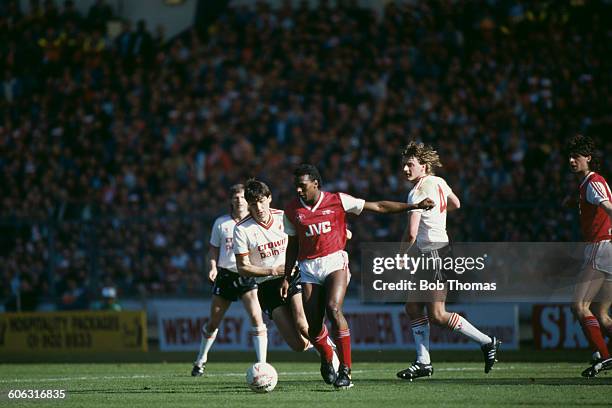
(424,154)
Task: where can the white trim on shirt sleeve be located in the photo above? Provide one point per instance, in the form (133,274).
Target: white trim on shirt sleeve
(596,192)
(351,204)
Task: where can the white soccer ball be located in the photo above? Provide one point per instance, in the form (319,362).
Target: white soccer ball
(261,377)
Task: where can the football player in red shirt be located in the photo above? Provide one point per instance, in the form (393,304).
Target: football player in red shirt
(595,208)
(316,224)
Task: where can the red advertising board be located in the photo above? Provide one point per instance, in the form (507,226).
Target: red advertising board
(556,327)
(373,327)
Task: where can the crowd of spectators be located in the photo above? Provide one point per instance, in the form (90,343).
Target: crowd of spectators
(117,153)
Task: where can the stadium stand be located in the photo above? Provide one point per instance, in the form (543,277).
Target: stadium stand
(116,154)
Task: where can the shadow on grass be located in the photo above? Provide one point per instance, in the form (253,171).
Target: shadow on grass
(215,390)
(494,381)
(202,388)
(317,386)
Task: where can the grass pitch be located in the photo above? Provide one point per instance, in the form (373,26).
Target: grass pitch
(456,384)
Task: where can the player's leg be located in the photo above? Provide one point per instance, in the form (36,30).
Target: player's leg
(601,309)
(280,311)
(335,290)
(314,310)
(313,301)
(589,284)
(419,323)
(602,312)
(218,307)
(296,305)
(224,293)
(258,330)
(602,262)
(299,317)
(288,328)
(455,322)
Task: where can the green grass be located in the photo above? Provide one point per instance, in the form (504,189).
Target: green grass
(456,384)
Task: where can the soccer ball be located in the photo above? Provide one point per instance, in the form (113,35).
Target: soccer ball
(261,377)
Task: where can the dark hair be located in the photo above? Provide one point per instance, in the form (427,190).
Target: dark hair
(580,145)
(310,171)
(236,188)
(255,190)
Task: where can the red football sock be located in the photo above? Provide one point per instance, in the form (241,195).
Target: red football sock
(321,344)
(343,343)
(593,333)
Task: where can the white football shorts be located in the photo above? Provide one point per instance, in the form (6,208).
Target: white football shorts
(318,269)
(598,255)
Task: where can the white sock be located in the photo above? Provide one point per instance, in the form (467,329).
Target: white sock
(420,333)
(260,341)
(205,344)
(458,323)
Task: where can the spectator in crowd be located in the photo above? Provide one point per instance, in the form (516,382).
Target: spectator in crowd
(121,151)
(74,295)
(108,300)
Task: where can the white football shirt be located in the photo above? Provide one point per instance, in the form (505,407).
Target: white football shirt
(265,244)
(432,228)
(222,236)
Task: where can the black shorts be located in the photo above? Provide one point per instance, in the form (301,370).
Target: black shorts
(432,264)
(231,286)
(268,293)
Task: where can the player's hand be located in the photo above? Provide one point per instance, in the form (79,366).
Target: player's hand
(426,204)
(278,270)
(212,275)
(284,289)
(569,202)
(349,234)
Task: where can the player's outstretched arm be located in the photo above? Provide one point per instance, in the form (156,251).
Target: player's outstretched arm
(245,268)
(290,259)
(391,207)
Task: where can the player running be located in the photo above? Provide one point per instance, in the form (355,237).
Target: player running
(260,245)
(428,230)
(229,286)
(316,224)
(595,208)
